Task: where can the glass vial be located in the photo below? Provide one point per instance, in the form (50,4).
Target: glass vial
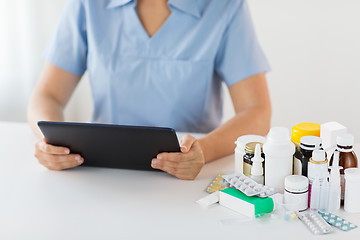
(347,157)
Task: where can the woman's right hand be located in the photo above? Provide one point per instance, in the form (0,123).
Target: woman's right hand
(56,158)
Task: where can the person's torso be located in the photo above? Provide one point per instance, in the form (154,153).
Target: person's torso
(165,80)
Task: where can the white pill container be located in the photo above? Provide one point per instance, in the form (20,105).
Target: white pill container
(279,151)
(296,192)
(352,190)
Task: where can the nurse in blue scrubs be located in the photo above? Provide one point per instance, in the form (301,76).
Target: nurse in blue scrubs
(157,63)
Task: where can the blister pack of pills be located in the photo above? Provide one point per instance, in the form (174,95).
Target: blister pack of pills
(248,186)
(215,185)
(337,221)
(315,223)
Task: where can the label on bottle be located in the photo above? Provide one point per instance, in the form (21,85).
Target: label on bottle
(247,169)
(297,200)
(297,166)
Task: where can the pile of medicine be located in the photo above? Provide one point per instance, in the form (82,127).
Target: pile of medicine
(315,167)
(311,166)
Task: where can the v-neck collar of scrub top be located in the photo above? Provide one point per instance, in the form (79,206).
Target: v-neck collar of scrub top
(188,6)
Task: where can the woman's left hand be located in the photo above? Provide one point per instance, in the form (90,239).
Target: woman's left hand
(185,164)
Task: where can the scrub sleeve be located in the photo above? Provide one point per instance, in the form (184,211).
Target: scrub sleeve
(68,46)
(239,55)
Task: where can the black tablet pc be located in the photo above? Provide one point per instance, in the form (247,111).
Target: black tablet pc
(112,146)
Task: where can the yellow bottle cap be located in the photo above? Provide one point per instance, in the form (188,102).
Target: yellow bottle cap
(304,129)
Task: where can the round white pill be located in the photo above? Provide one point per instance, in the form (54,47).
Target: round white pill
(345,222)
(332,220)
(247,181)
(338,224)
(252,184)
(243,187)
(318,222)
(257,188)
(313,228)
(326,217)
(344,228)
(242,178)
(249,191)
(322,226)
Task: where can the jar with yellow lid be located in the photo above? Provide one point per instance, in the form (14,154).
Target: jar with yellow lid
(298,131)
(249,154)
(304,129)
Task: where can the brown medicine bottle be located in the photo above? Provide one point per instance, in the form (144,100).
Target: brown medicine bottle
(347,157)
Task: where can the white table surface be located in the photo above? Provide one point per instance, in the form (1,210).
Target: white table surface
(99,203)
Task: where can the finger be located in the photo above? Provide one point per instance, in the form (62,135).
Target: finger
(176,157)
(71,164)
(58,158)
(58,162)
(185,174)
(170,156)
(186,142)
(51,149)
(160,164)
(177,172)
(59,165)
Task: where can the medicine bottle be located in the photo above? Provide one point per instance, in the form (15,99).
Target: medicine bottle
(352,193)
(347,157)
(298,131)
(296,192)
(249,154)
(279,151)
(317,168)
(240,149)
(302,156)
(257,169)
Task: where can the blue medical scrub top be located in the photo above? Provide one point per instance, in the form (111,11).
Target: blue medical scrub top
(172,79)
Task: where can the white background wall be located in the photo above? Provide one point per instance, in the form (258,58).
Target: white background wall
(313,47)
(314,50)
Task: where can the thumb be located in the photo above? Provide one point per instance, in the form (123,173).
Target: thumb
(186,143)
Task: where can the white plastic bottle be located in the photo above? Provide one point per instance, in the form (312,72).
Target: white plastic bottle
(324,195)
(315,195)
(240,149)
(279,151)
(318,167)
(352,193)
(257,171)
(335,187)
